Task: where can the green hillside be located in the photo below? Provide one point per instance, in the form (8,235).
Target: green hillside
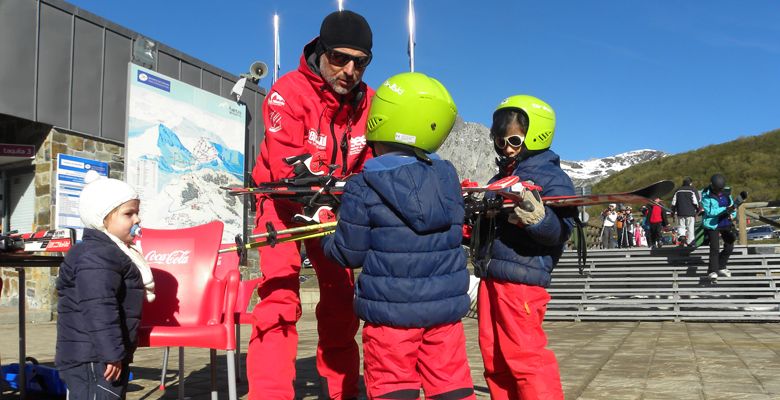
(748,163)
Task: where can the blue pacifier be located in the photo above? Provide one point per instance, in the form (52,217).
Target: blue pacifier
(135,230)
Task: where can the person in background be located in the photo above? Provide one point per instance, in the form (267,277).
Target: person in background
(656,218)
(645,224)
(625,224)
(101,285)
(401,220)
(319,109)
(639,235)
(631,223)
(619,227)
(718,220)
(517,254)
(608,218)
(685,206)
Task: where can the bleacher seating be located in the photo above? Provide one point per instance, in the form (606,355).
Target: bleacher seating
(665,284)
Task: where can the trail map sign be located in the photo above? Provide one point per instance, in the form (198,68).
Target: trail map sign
(183,143)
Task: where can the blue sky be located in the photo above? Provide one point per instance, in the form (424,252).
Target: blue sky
(620,74)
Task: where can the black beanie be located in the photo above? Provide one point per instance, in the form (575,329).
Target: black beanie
(346,29)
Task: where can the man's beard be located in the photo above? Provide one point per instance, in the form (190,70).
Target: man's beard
(333,82)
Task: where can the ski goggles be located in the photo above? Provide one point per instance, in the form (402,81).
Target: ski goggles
(340,59)
(514,141)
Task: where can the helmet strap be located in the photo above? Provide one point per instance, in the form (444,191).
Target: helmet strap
(422,156)
(506,164)
(503,162)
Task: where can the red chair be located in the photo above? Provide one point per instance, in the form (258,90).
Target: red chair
(227,262)
(193,307)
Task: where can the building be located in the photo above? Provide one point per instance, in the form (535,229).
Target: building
(63,90)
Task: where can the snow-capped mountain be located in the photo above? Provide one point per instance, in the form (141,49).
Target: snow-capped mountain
(588,172)
(177,155)
(193,199)
(180,177)
(472,154)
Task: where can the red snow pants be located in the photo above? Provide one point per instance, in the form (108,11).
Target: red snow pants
(274,340)
(517,364)
(397,362)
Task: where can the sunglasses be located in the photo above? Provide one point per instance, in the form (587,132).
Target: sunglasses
(340,59)
(514,141)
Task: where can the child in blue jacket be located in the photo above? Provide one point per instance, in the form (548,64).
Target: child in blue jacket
(717,220)
(101,286)
(401,220)
(517,253)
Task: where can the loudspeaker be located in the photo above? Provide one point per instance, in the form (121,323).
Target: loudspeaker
(258,70)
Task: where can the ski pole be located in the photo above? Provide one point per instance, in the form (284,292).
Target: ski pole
(262,243)
(297,229)
(601,235)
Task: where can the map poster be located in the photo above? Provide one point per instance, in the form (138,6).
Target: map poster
(69,183)
(183,143)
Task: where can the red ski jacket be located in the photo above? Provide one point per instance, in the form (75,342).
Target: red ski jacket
(656,215)
(302,114)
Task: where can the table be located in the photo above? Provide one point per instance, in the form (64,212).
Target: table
(20,261)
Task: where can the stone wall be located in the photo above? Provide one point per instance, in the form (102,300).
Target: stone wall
(41,297)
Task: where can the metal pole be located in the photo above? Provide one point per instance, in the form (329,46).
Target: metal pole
(411,35)
(22,377)
(276,48)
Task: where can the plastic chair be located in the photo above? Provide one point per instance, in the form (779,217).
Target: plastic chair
(227,262)
(193,307)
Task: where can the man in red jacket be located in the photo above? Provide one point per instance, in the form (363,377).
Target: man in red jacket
(657,220)
(319,109)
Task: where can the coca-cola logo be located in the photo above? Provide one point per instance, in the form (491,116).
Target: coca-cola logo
(175,257)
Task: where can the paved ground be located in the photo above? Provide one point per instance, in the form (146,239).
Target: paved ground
(599,360)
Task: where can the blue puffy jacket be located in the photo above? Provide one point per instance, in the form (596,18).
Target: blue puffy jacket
(99,308)
(401,220)
(528,255)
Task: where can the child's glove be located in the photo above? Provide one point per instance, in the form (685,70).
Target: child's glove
(530,211)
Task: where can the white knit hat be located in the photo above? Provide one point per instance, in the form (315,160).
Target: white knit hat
(100,196)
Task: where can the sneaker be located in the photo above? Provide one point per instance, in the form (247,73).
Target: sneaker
(724,272)
(713,276)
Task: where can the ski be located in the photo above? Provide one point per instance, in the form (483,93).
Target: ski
(469,186)
(52,240)
(646,194)
(507,199)
(643,195)
(282,189)
(288,191)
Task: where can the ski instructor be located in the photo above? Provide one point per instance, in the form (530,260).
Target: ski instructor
(319,109)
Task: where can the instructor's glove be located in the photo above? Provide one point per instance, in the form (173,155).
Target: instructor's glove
(530,211)
(320,215)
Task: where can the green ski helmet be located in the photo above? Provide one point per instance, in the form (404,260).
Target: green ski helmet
(411,109)
(541,120)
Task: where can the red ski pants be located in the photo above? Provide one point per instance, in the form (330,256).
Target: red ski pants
(517,364)
(397,362)
(273,344)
